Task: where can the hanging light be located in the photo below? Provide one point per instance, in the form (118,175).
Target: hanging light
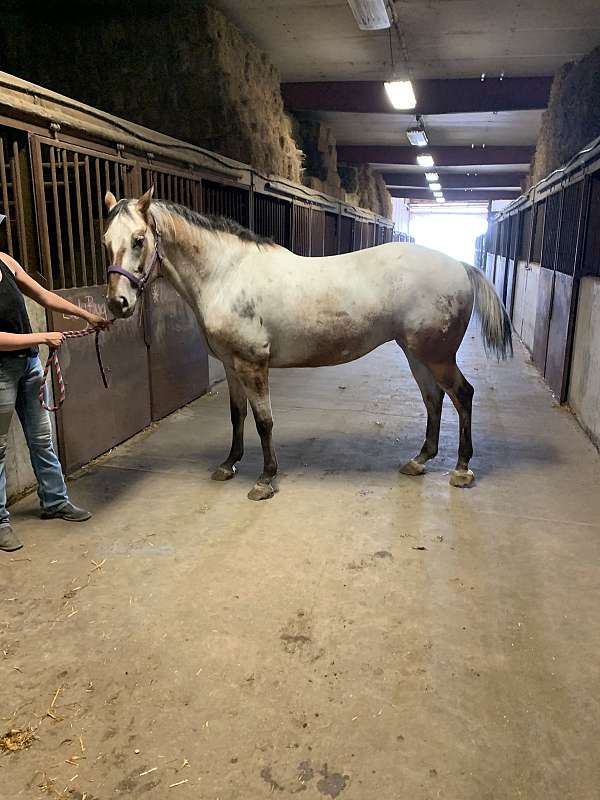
(431,176)
(401,94)
(417,137)
(425,160)
(438,194)
(435,187)
(440,199)
(370,15)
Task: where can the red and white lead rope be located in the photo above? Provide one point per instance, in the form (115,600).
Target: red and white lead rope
(52,360)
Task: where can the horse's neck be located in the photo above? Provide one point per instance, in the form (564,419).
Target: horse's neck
(194,261)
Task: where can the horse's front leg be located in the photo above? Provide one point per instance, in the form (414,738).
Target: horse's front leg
(238,405)
(255,380)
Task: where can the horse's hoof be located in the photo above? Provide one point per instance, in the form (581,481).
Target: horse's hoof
(412,467)
(261,491)
(223,473)
(462,478)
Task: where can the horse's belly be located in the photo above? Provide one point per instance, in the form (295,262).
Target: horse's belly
(326,346)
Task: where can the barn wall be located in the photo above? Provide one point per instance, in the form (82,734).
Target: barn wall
(525,305)
(180,68)
(572,118)
(584,388)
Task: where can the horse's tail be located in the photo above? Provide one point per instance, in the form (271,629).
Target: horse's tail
(496,328)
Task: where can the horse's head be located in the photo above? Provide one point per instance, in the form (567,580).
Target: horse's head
(132,245)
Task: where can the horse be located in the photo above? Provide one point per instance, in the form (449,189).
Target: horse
(260,306)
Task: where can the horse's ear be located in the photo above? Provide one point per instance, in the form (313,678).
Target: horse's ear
(110,201)
(143,204)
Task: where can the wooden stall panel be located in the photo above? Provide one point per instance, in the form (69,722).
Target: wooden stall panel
(94,419)
(346,234)
(178,359)
(542,319)
(331,233)
(559,335)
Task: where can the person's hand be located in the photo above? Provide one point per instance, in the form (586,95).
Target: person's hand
(53,338)
(98,322)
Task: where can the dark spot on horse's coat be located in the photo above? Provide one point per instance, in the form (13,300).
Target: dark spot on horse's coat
(244,308)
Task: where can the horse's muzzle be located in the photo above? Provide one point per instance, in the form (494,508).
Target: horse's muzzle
(120,307)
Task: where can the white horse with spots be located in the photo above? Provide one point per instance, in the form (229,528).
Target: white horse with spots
(260,306)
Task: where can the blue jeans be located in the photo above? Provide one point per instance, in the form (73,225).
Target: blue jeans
(20,380)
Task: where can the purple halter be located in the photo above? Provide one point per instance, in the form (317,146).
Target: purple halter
(139,283)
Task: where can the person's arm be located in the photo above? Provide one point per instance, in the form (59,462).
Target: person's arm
(48,299)
(21,341)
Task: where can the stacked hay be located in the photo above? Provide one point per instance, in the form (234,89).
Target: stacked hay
(572,118)
(318,145)
(179,67)
(366,188)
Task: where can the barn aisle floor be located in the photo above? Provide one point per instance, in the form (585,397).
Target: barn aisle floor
(363,635)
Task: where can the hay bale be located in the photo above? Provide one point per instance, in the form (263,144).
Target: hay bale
(318,145)
(201,79)
(572,118)
(366,188)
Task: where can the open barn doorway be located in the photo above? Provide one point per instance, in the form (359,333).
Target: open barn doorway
(449,227)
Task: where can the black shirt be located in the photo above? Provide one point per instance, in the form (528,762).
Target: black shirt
(13,313)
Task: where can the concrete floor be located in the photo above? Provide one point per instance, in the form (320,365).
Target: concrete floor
(363,635)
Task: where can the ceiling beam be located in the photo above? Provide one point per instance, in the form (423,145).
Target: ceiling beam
(434,96)
(493,180)
(451,156)
(472,195)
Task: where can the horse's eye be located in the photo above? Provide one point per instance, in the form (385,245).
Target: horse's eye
(138,242)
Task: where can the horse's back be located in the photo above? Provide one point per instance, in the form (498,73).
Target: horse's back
(333,309)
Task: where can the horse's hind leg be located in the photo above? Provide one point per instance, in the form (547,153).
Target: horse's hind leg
(433,397)
(460,391)
(238,405)
(255,380)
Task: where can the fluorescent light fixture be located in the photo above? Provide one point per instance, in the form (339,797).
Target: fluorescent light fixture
(438,194)
(370,15)
(425,161)
(432,176)
(401,94)
(435,187)
(417,137)
(440,200)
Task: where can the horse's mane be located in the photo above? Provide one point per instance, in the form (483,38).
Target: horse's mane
(207,222)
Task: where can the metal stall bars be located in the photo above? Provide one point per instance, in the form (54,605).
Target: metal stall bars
(501,258)
(69,184)
(177,354)
(17,235)
(511,262)
(546,255)
(491,249)
(565,294)
(301,231)
(272,211)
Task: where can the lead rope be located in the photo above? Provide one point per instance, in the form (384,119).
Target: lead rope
(53,361)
